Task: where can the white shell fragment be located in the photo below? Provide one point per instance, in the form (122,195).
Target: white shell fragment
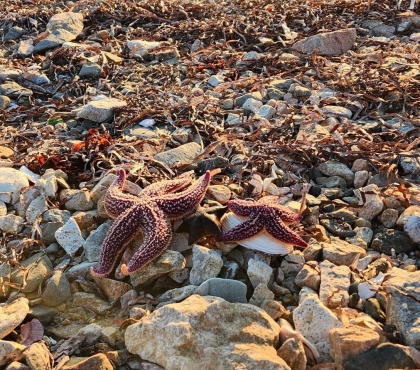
(262,242)
(368,289)
(148,122)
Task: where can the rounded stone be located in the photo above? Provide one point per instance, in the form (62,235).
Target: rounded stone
(11,181)
(4,102)
(57,289)
(36,268)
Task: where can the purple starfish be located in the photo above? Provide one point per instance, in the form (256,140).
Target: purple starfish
(149,213)
(265,214)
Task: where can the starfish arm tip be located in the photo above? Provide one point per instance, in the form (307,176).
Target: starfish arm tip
(95,274)
(124,269)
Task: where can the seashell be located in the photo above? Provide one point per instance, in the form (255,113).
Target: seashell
(262,242)
(31,332)
(368,289)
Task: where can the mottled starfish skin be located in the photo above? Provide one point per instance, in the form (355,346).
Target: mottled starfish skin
(245,208)
(150,215)
(116,202)
(262,214)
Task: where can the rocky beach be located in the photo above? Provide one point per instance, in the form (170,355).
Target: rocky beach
(209,185)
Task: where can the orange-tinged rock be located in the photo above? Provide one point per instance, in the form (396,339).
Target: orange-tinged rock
(351,341)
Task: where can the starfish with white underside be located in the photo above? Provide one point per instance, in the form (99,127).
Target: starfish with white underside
(265,216)
(149,213)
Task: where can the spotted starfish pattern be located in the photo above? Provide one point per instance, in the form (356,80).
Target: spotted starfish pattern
(266,214)
(149,213)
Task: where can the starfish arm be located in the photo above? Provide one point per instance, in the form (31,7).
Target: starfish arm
(286,215)
(184,203)
(242,207)
(122,231)
(276,228)
(164,187)
(245,230)
(157,235)
(116,202)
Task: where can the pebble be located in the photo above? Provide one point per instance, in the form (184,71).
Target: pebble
(100,110)
(113,289)
(180,155)
(360,178)
(373,203)
(351,341)
(408,212)
(261,293)
(57,289)
(69,237)
(180,276)
(252,105)
(12,181)
(36,77)
(332,168)
(340,252)
(167,262)
(256,95)
(4,103)
(14,33)
(334,111)
(309,276)
(77,200)
(384,357)
(360,165)
(412,228)
(179,294)
(387,239)
(335,283)
(13,90)
(48,183)
(401,310)
(207,264)
(317,328)
(221,193)
(93,243)
(11,224)
(389,218)
(11,351)
(292,352)
(12,314)
(258,272)
(300,92)
(37,267)
(36,208)
(90,70)
(142,48)
(3,209)
(62,27)
(216,80)
(328,43)
(91,302)
(38,356)
(266,112)
(233,291)
(98,361)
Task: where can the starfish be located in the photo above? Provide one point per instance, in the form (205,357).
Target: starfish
(263,215)
(150,213)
